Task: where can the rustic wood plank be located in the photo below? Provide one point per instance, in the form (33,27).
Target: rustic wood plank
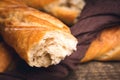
(97,71)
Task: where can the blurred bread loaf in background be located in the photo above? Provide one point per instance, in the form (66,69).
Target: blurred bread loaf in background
(106,47)
(66,10)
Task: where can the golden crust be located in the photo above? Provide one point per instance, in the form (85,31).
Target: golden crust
(10,3)
(106,47)
(67,15)
(23,27)
(66,10)
(39,4)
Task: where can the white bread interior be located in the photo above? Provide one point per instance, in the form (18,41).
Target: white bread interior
(53,48)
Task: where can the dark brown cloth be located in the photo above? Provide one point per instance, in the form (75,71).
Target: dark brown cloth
(96,16)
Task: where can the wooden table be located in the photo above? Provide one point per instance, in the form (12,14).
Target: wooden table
(97,71)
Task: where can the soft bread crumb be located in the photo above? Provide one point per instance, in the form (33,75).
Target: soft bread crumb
(53,48)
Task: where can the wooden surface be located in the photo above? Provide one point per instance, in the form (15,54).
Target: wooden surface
(97,71)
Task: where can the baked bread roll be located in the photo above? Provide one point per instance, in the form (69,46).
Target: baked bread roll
(105,47)
(5,57)
(38,4)
(40,39)
(65,10)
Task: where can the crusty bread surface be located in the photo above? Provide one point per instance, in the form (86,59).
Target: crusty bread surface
(105,47)
(65,10)
(40,39)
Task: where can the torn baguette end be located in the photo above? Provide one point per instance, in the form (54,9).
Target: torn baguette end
(53,48)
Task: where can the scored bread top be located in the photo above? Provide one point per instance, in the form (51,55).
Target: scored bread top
(24,28)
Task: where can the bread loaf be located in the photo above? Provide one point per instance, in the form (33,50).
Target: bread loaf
(65,10)
(40,39)
(105,47)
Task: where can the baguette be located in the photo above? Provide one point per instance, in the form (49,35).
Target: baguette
(40,39)
(105,47)
(65,10)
